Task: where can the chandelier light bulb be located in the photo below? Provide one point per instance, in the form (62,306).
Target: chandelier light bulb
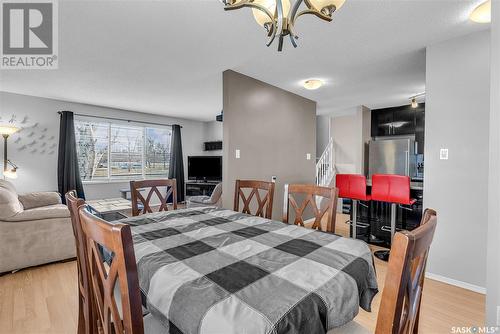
(482,13)
(261,17)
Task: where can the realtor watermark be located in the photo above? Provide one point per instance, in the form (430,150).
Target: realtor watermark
(475,330)
(29,34)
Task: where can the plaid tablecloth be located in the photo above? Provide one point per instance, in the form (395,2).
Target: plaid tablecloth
(214,271)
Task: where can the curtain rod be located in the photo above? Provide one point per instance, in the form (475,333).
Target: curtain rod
(119,119)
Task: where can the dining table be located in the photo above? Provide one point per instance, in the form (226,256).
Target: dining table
(208,270)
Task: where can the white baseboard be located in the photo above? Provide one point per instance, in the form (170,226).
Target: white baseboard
(460,284)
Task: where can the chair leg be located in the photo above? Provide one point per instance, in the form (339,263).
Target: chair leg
(354,218)
(81,317)
(384,255)
(393,220)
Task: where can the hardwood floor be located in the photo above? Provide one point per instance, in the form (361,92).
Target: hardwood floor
(44,300)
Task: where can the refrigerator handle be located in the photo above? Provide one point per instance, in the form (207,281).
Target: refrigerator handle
(407,163)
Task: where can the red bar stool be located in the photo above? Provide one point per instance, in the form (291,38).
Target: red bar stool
(353,187)
(393,189)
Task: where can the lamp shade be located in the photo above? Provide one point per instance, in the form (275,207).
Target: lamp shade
(8,129)
(270,5)
(482,13)
(320,4)
(10,173)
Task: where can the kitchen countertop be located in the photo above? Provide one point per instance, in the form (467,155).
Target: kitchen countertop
(413,185)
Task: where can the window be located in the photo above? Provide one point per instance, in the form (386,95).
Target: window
(109,151)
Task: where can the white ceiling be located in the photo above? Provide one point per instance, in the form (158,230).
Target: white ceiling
(167,57)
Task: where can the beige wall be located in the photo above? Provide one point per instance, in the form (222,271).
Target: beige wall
(350,133)
(273,129)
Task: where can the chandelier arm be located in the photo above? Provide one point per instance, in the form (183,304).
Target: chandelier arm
(280,43)
(292,39)
(271,38)
(280,17)
(291,23)
(315,13)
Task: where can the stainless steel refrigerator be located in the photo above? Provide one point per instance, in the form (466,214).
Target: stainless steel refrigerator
(392,156)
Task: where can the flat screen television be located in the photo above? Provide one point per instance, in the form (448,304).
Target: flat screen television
(205,168)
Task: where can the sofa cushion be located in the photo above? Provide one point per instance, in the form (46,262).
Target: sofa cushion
(9,203)
(44,212)
(39,199)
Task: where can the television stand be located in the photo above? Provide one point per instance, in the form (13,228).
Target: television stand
(200,187)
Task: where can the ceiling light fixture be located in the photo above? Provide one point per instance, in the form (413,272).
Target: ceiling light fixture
(482,13)
(278,16)
(312,84)
(414,103)
(413,100)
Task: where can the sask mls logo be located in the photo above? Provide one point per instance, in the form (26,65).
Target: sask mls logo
(29,34)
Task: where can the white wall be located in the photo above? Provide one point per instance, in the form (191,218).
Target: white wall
(493,267)
(350,132)
(38,172)
(457,114)
(213,132)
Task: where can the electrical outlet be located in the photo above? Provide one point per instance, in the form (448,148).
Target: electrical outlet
(238,154)
(273,178)
(308,156)
(443,154)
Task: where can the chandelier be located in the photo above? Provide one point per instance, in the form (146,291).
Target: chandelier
(278,17)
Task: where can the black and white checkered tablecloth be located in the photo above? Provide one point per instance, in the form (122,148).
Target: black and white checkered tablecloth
(215,271)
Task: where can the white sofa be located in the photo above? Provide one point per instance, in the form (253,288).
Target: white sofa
(35,228)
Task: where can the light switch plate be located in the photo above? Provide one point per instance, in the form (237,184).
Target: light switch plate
(443,154)
(238,154)
(308,156)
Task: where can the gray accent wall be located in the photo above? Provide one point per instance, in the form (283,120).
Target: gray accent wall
(493,270)
(457,118)
(273,129)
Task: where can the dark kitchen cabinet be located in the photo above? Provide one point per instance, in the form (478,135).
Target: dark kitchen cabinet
(403,122)
(382,122)
(399,121)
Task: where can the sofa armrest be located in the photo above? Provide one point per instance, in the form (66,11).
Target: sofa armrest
(39,199)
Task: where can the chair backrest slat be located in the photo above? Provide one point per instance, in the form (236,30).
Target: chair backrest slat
(152,187)
(264,203)
(311,192)
(400,307)
(86,322)
(116,239)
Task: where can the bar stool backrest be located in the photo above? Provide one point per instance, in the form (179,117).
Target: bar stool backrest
(351,186)
(391,188)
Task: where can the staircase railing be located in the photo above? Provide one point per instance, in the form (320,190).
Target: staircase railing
(325,167)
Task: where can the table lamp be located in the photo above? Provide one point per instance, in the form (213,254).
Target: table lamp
(6,131)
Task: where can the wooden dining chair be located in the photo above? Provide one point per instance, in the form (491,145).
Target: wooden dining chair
(86,322)
(142,205)
(399,310)
(328,196)
(264,204)
(117,239)
(400,306)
